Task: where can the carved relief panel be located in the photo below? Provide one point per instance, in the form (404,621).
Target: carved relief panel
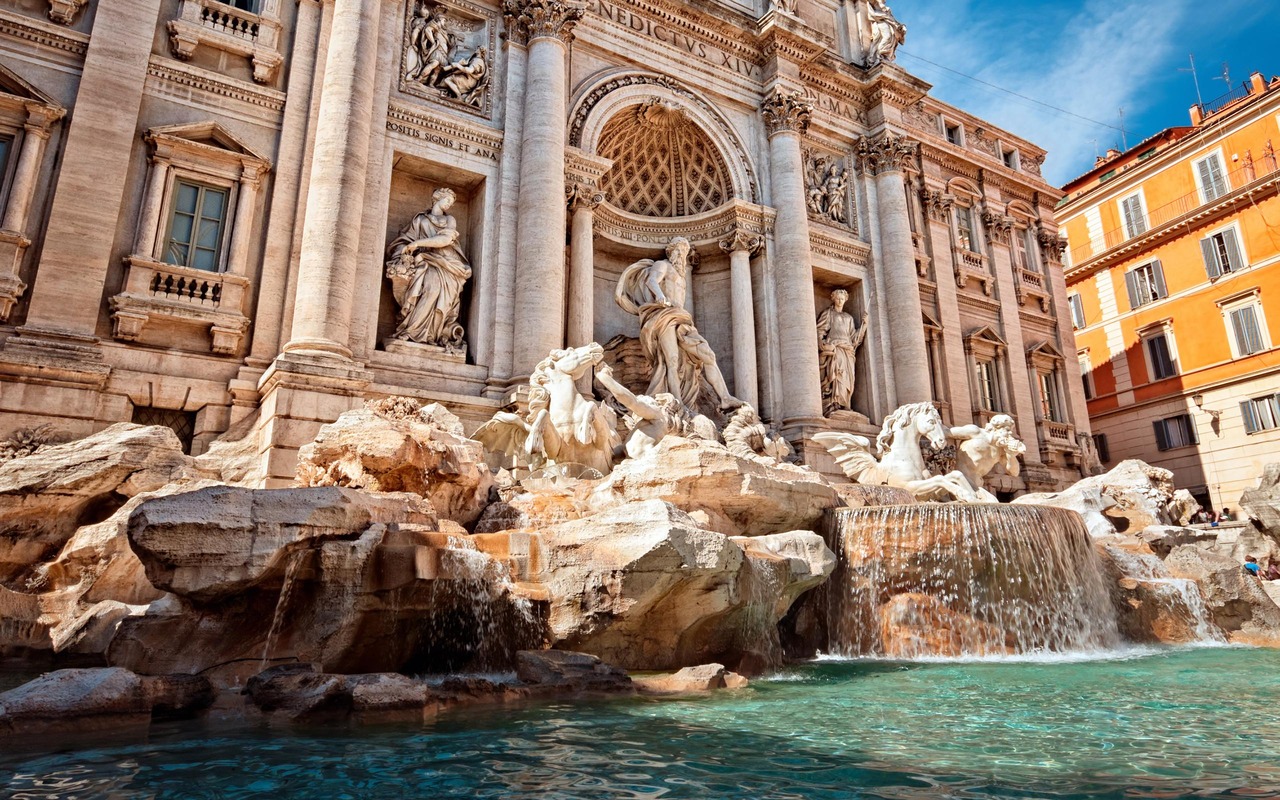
(827,191)
(448,54)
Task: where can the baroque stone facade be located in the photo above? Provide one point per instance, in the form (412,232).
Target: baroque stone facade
(243,220)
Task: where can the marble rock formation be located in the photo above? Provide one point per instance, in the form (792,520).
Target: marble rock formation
(915,625)
(702,678)
(318,575)
(724,492)
(644,586)
(1130,498)
(1263,503)
(1236,601)
(73,701)
(394,445)
(1152,606)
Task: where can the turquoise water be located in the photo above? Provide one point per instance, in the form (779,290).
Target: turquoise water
(1174,724)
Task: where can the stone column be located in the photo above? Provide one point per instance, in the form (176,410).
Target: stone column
(547,26)
(883,158)
(786,117)
(149,218)
(330,256)
(40,120)
(740,247)
(583,202)
(246,213)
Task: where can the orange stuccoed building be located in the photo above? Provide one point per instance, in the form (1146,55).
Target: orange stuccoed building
(1173,275)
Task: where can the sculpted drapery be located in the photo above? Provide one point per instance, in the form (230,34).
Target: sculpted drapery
(428,272)
(839,337)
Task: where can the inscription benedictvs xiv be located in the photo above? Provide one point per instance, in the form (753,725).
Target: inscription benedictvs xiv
(682,42)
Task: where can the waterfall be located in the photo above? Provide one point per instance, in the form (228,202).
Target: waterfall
(966,580)
(1181,606)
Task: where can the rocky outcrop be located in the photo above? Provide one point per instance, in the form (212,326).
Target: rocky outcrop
(1263,503)
(393,445)
(84,700)
(569,671)
(47,495)
(1152,606)
(1130,498)
(855,495)
(704,678)
(1236,601)
(351,581)
(722,492)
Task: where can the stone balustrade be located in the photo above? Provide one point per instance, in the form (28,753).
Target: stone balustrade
(225,27)
(182,295)
(971,266)
(1031,286)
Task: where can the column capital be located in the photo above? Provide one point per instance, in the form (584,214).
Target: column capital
(999,227)
(742,241)
(786,112)
(536,19)
(887,152)
(1051,244)
(581,196)
(939,204)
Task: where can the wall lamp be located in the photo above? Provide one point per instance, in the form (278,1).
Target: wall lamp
(1198,399)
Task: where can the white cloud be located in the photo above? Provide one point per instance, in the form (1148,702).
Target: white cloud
(1089,58)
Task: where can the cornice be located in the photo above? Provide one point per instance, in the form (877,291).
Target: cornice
(43,34)
(179,74)
(840,248)
(729,35)
(448,132)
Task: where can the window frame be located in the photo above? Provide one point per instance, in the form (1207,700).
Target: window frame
(1158,286)
(1076,303)
(224,234)
(958,127)
(1233,229)
(1162,332)
(967,210)
(1222,167)
(1086,376)
(1143,216)
(1187,426)
(988,376)
(1251,299)
(1249,411)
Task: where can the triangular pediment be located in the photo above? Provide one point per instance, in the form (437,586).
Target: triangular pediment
(929,321)
(1046,348)
(209,134)
(986,334)
(14,84)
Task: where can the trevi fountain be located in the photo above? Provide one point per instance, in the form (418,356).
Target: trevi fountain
(658,567)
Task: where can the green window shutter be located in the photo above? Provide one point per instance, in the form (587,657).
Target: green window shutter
(1211,265)
(1162,437)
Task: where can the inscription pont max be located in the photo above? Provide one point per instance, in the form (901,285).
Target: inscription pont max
(674,38)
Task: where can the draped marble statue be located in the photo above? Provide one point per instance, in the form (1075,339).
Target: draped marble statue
(428,272)
(839,337)
(879,32)
(683,362)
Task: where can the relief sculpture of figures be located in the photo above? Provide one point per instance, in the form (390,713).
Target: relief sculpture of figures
(683,362)
(428,272)
(839,337)
(883,33)
(980,450)
(436,56)
(827,189)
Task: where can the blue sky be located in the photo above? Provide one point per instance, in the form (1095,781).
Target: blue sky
(1090,58)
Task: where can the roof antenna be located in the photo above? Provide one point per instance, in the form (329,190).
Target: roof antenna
(1226,75)
(1195,76)
(1124,140)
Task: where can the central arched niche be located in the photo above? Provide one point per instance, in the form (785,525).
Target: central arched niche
(664,165)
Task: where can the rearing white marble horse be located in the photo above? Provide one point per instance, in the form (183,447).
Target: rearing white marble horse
(902,464)
(561,426)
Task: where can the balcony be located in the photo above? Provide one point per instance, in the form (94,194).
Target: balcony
(1240,184)
(1057,440)
(181,296)
(1031,286)
(230,29)
(971,266)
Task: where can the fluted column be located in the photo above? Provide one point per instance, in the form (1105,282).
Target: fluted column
(882,158)
(246,213)
(331,235)
(786,117)
(583,201)
(746,383)
(40,120)
(547,25)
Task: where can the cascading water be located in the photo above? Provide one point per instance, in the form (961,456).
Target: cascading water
(1182,614)
(966,580)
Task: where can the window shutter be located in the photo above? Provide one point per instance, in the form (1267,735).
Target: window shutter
(1211,265)
(1206,178)
(1134,223)
(1162,438)
(1157,270)
(1104,449)
(1131,283)
(1232,242)
(1253,336)
(1219,183)
(1250,415)
(1193,436)
(1077,310)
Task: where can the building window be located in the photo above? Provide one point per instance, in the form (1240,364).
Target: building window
(1010,158)
(955,135)
(1086,376)
(196,226)
(182,423)
(1050,408)
(1246,331)
(1104,449)
(1261,414)
(1146,284)
(989,386)
(1175,432)
(1222,253)
(244,5)
(1161,363)
(1027,250)
(964,228)
(1135,219)
(1077,310)
(1211,178)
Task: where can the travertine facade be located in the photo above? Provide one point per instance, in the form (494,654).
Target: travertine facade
(230,217)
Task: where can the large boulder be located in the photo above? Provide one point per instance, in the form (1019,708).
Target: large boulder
(723,492)
(47,495)
(353,582)
(393,445)
(1263,503)
(565,670)
(1152,606)
(1236,600)
(1129,498)
(83,700)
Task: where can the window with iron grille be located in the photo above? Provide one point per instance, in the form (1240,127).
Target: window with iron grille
(182,423)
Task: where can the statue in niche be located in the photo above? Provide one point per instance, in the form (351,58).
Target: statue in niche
(980,450)
(881,32)
(827,189)
(428,272)
(683,362)
(440,57)
(839,337)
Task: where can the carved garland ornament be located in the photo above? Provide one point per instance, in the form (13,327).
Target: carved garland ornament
(786,112)
(886,153)
(535,19)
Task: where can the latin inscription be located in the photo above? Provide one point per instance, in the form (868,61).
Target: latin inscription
(442,141)
(683,43)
